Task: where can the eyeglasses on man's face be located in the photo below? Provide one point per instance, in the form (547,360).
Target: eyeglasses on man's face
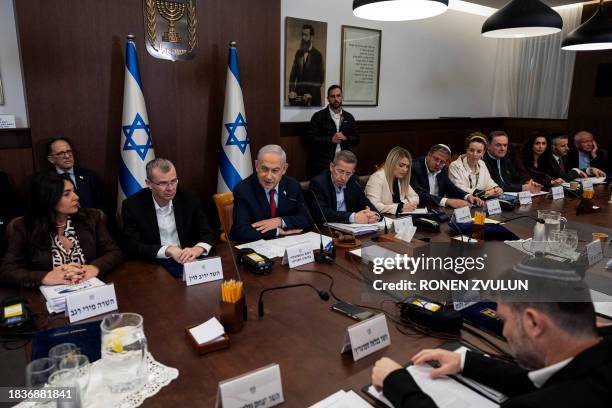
(166,184)
(64,153)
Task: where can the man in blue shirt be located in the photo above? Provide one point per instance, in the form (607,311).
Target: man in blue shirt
(586,156)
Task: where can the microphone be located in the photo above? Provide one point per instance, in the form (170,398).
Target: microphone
(331,256)
(245,310)
(373,206)
(323,295)
(322,256)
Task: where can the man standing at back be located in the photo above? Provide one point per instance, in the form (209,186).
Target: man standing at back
(163,221)
(61,155)
(268,204)
(330,130)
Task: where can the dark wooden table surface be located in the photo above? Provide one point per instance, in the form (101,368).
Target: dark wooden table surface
(298,332)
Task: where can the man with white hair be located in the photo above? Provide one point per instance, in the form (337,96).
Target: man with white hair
(587,156)
(268,204)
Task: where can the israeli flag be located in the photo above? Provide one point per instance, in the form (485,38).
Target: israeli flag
(235,158)
(136,144)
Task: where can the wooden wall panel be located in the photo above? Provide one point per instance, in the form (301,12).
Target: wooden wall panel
(73,62)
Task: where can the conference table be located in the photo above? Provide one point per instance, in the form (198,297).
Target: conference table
(298,330)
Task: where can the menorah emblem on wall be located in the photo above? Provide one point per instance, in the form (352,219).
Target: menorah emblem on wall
(171,11)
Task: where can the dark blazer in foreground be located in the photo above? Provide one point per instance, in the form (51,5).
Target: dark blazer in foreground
(140,229)
(321,129)
(585,382)
(513,180)
(88,188)
(26,264)
(251,205)
(354,198)
(599,161)
(420,183)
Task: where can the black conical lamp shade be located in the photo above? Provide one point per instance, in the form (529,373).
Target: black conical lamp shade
(594,34)
(522,18)
(398,10)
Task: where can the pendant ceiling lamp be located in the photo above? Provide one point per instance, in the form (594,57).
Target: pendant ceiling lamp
(522,18)
(398,10)
(594,34)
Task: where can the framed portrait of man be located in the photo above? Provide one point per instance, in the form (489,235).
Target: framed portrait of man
(305,50)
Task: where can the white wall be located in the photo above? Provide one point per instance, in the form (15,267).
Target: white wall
(10,66)
(430,68)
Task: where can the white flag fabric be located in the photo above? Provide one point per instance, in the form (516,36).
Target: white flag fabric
(235,158)
(136,144)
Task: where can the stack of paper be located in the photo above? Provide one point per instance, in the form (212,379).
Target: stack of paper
(415,211)
(56,295)
(210,330)
(360,229)
(342,399)
(594,180)
(276,247)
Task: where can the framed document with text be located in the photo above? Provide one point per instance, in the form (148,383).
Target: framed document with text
(360,66)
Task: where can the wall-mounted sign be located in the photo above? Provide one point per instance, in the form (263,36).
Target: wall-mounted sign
(171,28)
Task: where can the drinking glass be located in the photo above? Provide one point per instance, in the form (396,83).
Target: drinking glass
(569,241)
(66,379)
(57,353)
(79,363)
(555,241)
(38,372)
(124,351)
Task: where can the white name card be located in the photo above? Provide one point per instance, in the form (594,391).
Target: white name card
(298,254)
(367,337)
(401,223)
(260,388)
(7,122)
(406,234)
(91,302)
(594,252)
(463,214)
(493,206)
(587,184)
(524,197)
(202,271)
(557,193)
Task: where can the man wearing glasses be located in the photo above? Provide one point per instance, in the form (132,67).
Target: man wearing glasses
(339,195)
(87,183)
(432,184)
(163,221)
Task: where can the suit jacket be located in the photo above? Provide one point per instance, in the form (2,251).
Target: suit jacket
(599,161)
(354,198)
(251,205)
(513,180)
(307,77)
(585,382)
(378,191)
(140,229)
(321,129)
(88,188)
(26,263)
(554,170)
(420,183)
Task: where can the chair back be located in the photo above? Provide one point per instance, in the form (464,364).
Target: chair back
(225,210)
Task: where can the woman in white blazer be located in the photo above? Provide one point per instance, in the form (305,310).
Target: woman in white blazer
(393,177)
(470,173)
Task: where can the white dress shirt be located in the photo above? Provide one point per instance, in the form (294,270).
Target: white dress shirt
(337,118)
(168,234)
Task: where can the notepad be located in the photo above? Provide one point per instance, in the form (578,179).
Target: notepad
(207,331)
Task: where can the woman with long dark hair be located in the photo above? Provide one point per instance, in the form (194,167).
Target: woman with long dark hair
(534,159)
(56,242)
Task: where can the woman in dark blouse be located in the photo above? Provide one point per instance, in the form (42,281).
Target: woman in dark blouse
(56,242)
(535,157)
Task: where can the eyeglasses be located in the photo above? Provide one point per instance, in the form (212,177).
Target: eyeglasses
(344,173)
(166,184)
(65,153)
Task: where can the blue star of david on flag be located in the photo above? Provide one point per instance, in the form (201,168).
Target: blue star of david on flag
(232,139)
(130,143)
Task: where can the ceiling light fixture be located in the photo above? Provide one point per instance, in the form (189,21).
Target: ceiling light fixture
(398,10)
(594,34)
(522,18)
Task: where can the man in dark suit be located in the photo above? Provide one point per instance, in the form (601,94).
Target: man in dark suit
(562,361)
(339,194)
(87,183)
(586,155)
(432,184)
(163,221)
(558,165)
(501,168)
(307,72)
(330,130)
(268,204)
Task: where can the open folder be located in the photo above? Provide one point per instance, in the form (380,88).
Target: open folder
(447,392)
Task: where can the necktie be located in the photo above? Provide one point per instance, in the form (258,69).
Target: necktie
(272,204)
(561,165)
(501,176)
